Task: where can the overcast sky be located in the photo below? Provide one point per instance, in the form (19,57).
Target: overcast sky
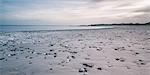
(73,12)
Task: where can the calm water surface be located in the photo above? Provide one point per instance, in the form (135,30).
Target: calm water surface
(13,28)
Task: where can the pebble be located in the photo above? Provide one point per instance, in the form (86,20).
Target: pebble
(82,70)
(2,58)
(51,69)
(88,65)
(99,68)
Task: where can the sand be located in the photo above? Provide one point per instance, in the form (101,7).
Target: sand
(121,50)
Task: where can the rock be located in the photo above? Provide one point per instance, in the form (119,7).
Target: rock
(30,57)
(68,60)
(88,65)
(51,69)
(2,58)
(117,59)
(55,56)
(51,50)
(137,53)
(99,68)
(82,70)
(11,55)
(99,49)
(120,59)
(73,57)
(30,62)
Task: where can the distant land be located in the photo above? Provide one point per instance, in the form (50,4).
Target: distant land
(122,24)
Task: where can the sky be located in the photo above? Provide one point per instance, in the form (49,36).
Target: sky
(73,12)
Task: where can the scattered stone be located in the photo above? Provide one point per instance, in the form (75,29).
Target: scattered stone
(2,58)
(142,63)
(51,50)
(117,59)
(30,62)
(73,57)
(55,56)
(120,48)
(120,59)
(30,57)
(137,53)
(51,69)
(99,49)
(87,58)
(38,53)
(99,68)
(140,60)
(88,65)
(74,52)
(11,55)
(82,70)
(47,53)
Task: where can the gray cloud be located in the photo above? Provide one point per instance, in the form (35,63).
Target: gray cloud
(145,10)
(75,11)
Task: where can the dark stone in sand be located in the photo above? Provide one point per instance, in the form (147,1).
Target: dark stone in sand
(99,49)
(11,54)
(117,59)
(47,53)
(2,58)
(30,57)
(30,62)
(38,53)
(51,69)
(51,45)
(74,52)
(88,65)
(21,50)
(14,49)
(4,44)
(55,56)
(87,58)
(82,70)
(137,53)
(121,59)
(116,49)
(140,60)
(143,63)
(73,57)
(99,68)
(51,50)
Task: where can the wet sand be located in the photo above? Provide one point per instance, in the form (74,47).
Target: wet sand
(118,51)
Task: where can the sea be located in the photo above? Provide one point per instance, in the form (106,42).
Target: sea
(16,28)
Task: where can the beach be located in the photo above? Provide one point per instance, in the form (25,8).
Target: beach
(122,50)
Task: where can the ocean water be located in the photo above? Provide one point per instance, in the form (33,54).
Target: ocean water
(14,28)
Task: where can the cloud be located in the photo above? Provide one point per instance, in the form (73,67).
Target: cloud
(74,11)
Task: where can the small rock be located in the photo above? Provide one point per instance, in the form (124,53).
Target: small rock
(73,57)
(55,56)
(137,53)
(51,69)
(88,65)
(2,58)
(117,59)
(30,62)
(82,70)
(99,68)
(11,55)
(51,50)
